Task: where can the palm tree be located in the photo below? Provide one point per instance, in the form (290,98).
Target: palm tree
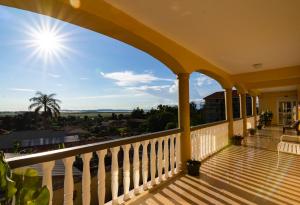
(47,103)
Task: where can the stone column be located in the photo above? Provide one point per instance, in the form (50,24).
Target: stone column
(184,117)
(254,113)
(243,112)
(229,111)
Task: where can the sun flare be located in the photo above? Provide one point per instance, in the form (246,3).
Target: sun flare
(47,41)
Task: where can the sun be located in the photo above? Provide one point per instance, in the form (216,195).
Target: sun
(47,41)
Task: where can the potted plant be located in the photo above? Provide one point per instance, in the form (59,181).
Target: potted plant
(259,126)
(252,131)
(193,167)
(237,140)
(265,118)
(22,184)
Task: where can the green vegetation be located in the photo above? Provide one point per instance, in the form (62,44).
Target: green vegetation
(92,125)
(23,184)
(265,118)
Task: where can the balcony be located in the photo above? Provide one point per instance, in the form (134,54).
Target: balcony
(236,175)
(139,165)
(150,168)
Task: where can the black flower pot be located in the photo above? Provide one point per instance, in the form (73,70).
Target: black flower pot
(193,167)
(237,140)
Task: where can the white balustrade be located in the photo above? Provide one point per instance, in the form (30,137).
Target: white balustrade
(136,168)
(86,179)
(114,174)
(101,176)
(172,154)
(145,164)
(69,182)
(126,171)
(47,177)
(250,122)
(153,161)
(159,159)
(178,153)
(238,127)
(166,156)
(208,140)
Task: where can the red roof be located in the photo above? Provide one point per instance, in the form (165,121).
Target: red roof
(220,95)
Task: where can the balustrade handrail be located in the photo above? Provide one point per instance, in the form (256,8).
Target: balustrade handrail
(47,156)
(197,127)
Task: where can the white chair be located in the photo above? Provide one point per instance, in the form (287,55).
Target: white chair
(290,147)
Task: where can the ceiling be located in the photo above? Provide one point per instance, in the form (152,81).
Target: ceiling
(232,34)
(279,89)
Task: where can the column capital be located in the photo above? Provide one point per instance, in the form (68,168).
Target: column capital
(183,75)
(228,89)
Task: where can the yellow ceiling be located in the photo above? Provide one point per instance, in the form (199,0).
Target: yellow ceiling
(232,34)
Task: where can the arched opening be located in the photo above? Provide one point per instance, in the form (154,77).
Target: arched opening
(207,100)
(99,81)
(236,103)
(249,106)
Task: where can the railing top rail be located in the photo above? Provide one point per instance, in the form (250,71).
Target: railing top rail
(31,159)
(197,127)
(249,116)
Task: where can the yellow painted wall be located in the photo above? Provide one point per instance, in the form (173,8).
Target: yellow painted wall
(268,101)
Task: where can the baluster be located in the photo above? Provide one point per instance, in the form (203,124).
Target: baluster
(68,183)
(198,146)
(101,176)
(126,171)
(136,168)
(47,177)
(159,159)
(86,179)
(192,144)
(172,159)
(178,154)
(153,161)
(145,164)
(206,143)
(114,174)
(201,142)
(166,156)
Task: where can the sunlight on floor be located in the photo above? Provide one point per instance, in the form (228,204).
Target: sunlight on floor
(236,175)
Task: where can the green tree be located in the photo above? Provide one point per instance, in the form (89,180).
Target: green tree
(47,103)
(138,113)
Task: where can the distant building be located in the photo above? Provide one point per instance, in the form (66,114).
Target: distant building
(214,106)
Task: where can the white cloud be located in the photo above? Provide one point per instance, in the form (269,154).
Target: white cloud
(108,96)
(129,78)
(52,75)
(203,80)
(59,85)
(148,87)
(197,100)
(21,89)
(174,88)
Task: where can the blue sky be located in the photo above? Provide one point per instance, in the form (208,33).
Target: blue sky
(86,71)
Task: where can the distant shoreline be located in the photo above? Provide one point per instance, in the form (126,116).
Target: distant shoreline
(74,112)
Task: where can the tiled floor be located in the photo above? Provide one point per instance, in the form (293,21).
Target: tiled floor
(237,175)
(267,138)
